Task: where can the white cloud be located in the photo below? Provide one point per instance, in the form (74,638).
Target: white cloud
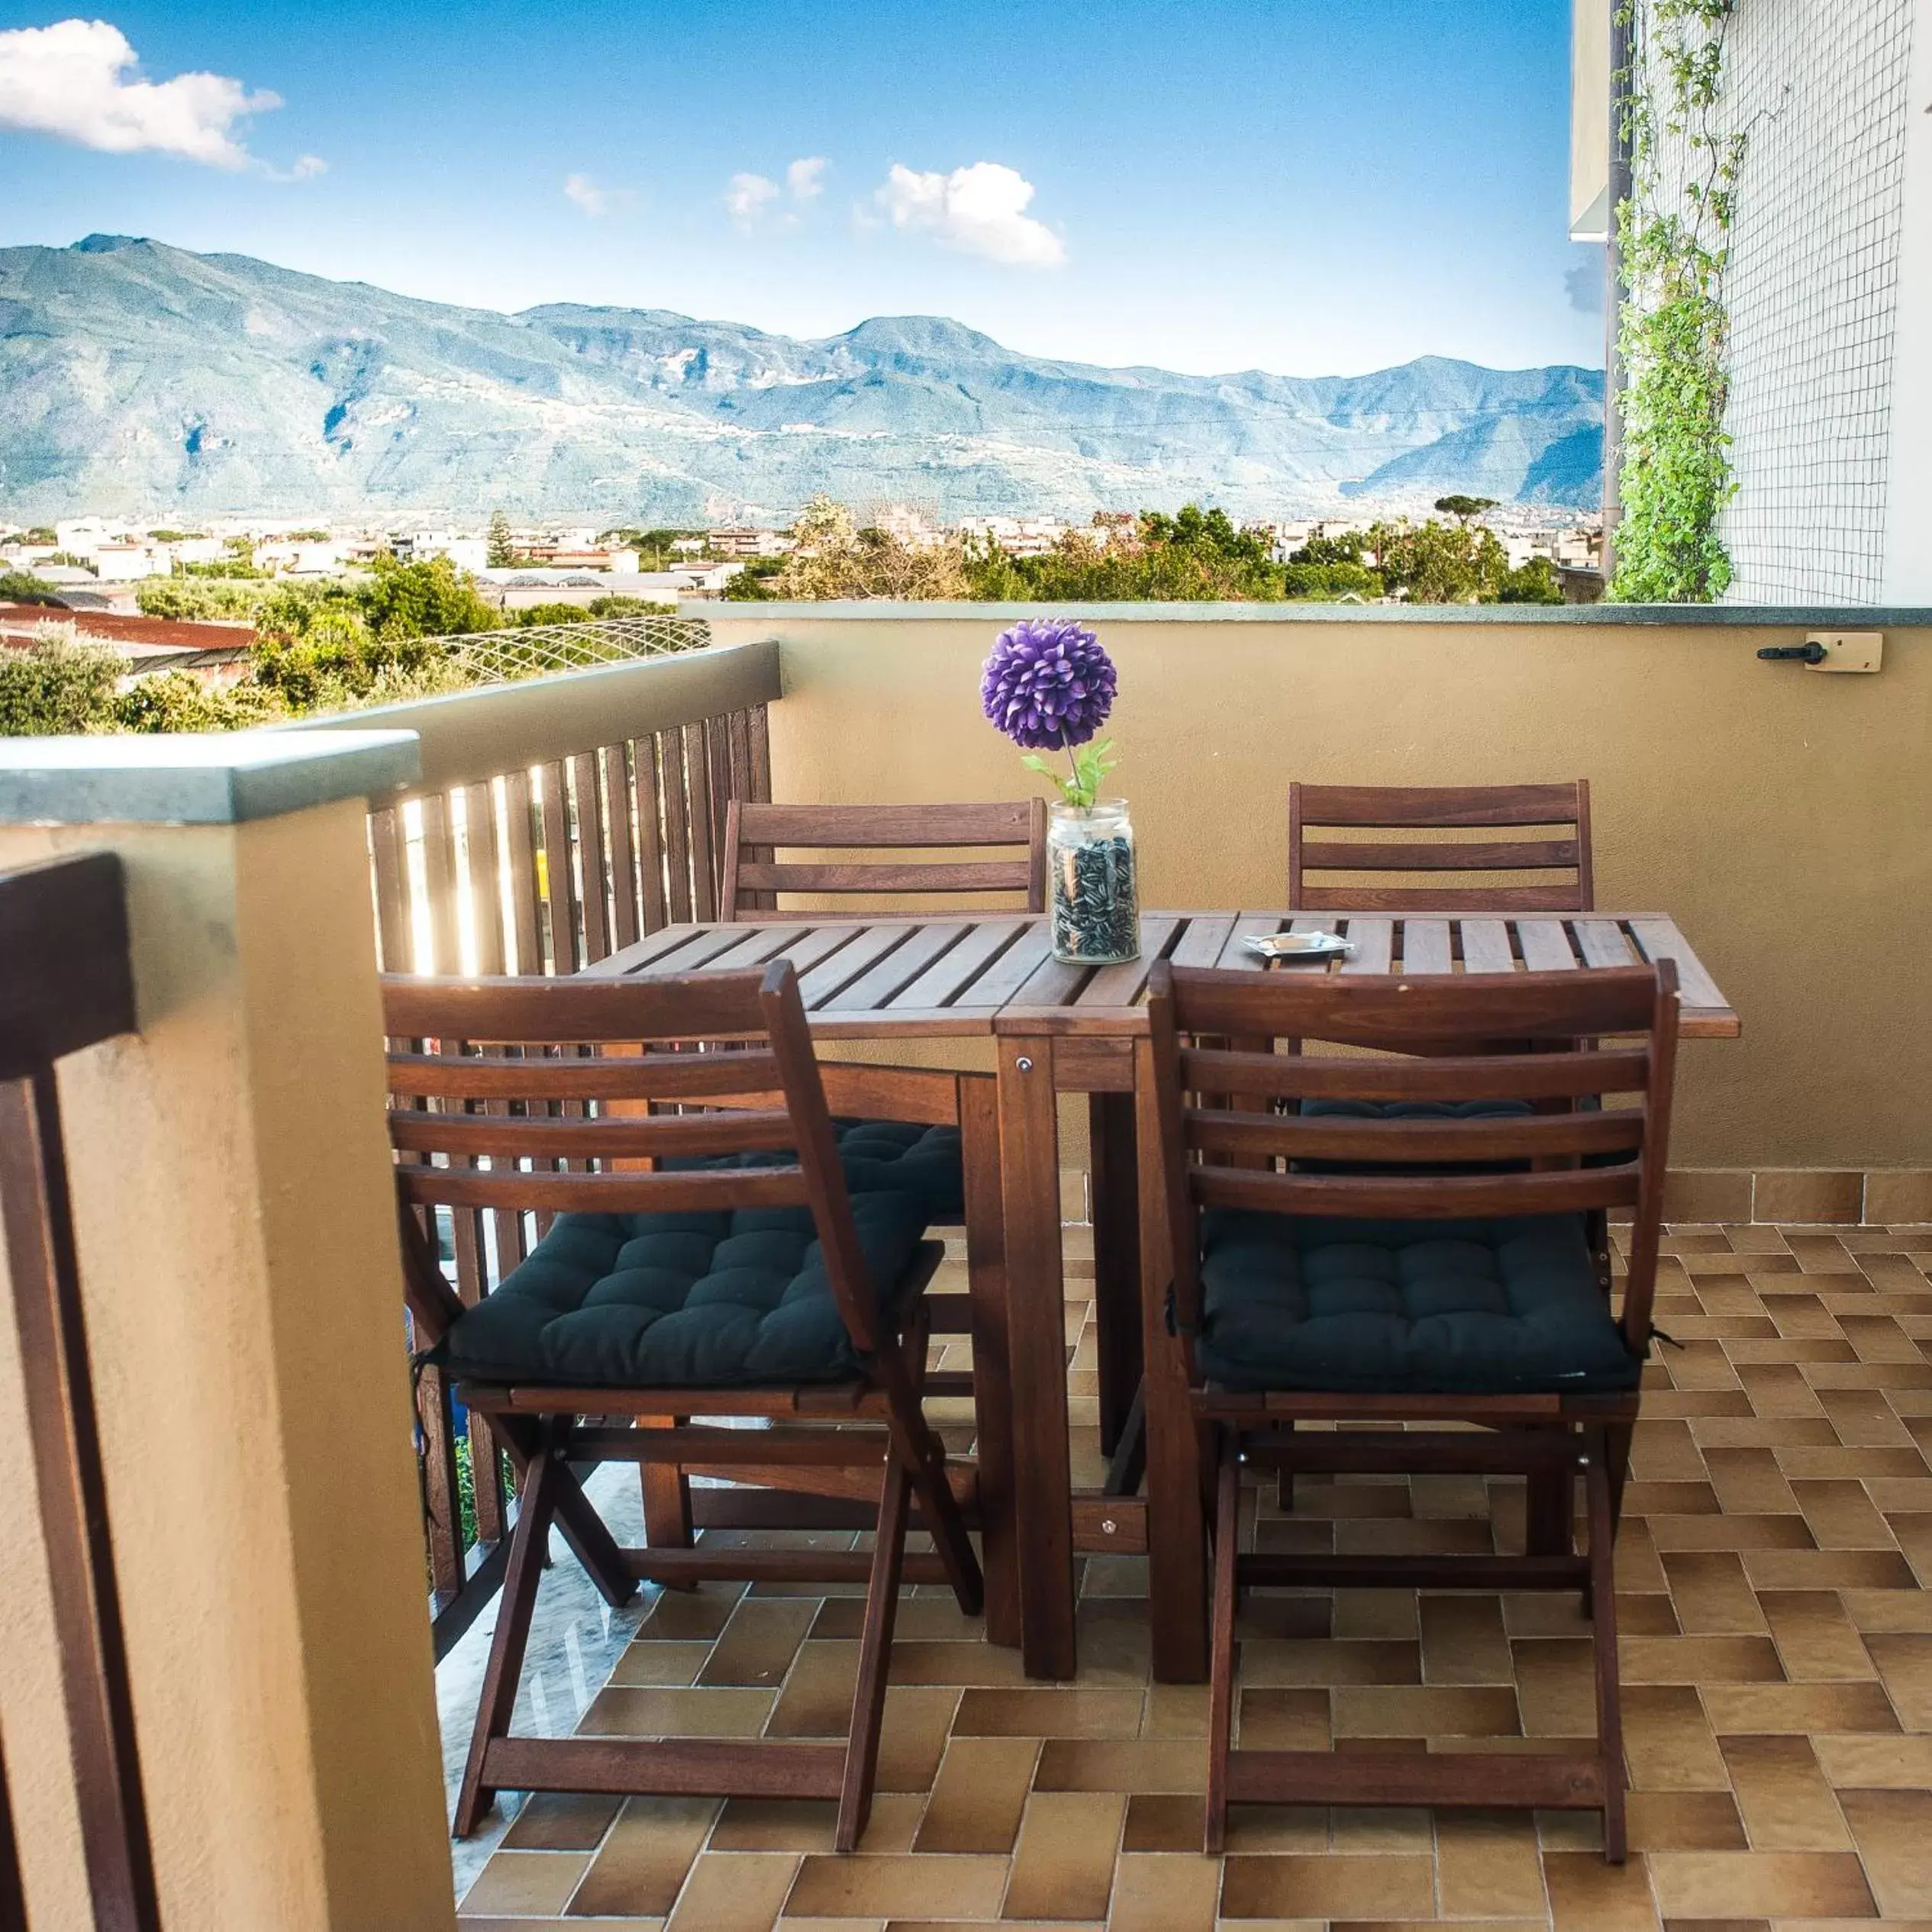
(806,177)
(307,167)
(593,200)
(747,196)
(71,80)
(979,210)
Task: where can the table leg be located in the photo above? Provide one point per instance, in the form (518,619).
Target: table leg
(1036,1343)
(1115,1260)
(992,1391)
(1177,1532)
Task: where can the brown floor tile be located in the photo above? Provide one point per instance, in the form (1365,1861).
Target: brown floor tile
(1099,1765)
(759,1642)
(1487,1866)
(1887,1610)
(1711,1594)
(1684,1821)
(1463,1641)
(1731,1885)
(1372,1615)
(741,1891)
(1587,1895)
(1351,1888)
(524,1882)
(1696,1499)
(1174,1712)
(954,1663)
(1740,1533)
(1165,1892)
(1162,1822)
(817,1699)
(684,1615)
(1404,1710)
(1893,1831)
(561,1821)
(643,1862)
(1815,1639)
(657,1663)
(1749,1481)
(1063,1865)
(1271,1614)
(1271,1663)
(1787,1804)
(1841,1516)
(776,1824)
(1904,1664)
(1282,1720)
(980,1793)
(1555,1687)
(1828,1569)
(1665,1452)
(1035,1712)
(1738,1708)
(912,1888)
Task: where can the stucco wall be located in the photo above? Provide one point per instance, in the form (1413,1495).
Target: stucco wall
(1784,817)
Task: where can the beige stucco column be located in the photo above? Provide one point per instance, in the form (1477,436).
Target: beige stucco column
(237,1252)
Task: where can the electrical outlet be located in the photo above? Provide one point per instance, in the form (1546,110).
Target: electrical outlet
(1848,650)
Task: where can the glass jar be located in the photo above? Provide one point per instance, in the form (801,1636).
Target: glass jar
(1091,892)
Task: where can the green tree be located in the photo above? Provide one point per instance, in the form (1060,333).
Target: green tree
(1533,582)
(22,587)
(1465,509)
(192,599)
(428,599)
(502,553)
(178,700)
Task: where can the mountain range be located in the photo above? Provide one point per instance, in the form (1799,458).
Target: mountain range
(137,378)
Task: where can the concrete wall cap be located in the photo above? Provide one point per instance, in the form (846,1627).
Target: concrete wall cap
(183,778)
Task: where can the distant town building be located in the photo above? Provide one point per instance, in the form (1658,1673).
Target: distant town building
(741,540)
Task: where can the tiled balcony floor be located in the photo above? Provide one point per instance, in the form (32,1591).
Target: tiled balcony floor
(1777,1656)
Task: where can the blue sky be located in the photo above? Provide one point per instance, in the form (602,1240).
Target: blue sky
(1309,186)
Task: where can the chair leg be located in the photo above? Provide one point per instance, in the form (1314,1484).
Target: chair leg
(528,1542)
(1220,1689)
(1550,1504)
(874,1656)
(1603,1638)
(666,1500)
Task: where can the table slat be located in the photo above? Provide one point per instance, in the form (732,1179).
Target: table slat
(1200,944)
(897,970)
(1425,946)
(1602,944)
(1658,939)
(1545,945)
(864,946)
(954,971)
(1122,985)
(1374,941)
(700,944)
(1011,971)
(759,943)
(1485,945)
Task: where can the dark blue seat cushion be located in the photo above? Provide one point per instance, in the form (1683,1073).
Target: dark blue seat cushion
(902,1157)
(683,1300)
(1386,1306)
(1419,1110)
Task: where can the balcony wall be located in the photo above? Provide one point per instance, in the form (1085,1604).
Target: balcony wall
(1783,816)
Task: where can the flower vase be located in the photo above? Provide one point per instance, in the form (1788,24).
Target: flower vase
(1094,899)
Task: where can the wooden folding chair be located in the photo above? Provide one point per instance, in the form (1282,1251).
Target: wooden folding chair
(1459,1310)
(872,842)
(1545,835)
(799,1304)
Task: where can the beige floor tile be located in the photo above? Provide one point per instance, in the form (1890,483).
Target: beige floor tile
(1487,1866)
(910,1887)
(1743,1885)
(1134,1766)
(1786,1802)
(1754,1708)
(1351,1888)
(658,1662)
(1710,1593)
(1904,1665)
(1165,1892)
(1423,1711)
(1036,1712)
(956,1663)
(759,1642)
(1828,1569)
(523,1882)
(1162,1822)
(1699,1660)
(1587,1895)
(643,1862)
(1555,1687)
(1749,1481)
(1893,1830)
(627,1711)
(1063,1865)
(1463,1641)
(741,1891)
(1842,1516)
(980,1795)
(1851,1762)
(1668,1740)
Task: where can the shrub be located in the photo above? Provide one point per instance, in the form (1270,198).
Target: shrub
(177,701)
(189,599)
(23,587)
(57,686)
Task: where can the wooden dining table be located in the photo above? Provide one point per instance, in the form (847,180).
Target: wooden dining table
(1061,1029)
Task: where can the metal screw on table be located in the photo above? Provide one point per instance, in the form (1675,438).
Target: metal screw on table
(1024,1064)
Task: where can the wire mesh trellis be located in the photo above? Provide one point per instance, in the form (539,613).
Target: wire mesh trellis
(536,650)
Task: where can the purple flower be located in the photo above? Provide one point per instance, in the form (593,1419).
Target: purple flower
(1048,684)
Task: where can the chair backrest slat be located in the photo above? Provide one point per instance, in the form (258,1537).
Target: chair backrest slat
(1233,1135)
(548,1095)
(1316,810)
(756,834)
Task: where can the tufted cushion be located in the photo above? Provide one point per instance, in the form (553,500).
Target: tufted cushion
(1419,1110)
(1497,1307)
(883,1156)
(696,1301)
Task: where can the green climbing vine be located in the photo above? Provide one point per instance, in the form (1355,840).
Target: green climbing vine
(1673,330)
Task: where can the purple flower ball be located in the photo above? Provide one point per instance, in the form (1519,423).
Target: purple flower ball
(1048,684)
